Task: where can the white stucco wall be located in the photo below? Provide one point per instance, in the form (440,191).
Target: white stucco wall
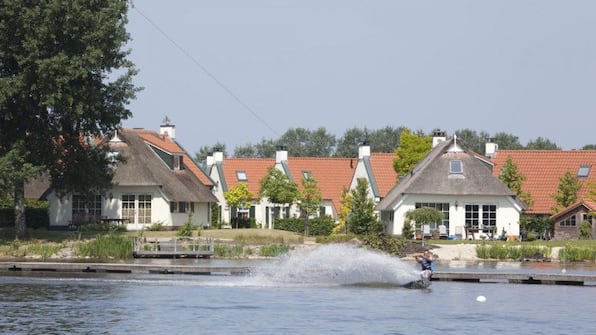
(507,214)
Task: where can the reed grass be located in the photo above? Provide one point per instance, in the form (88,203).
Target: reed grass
(43,249)
(577,254)
(273,250)
(106,247)
(512,251)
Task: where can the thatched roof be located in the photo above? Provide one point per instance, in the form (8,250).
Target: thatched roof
(144,167)
(431,176)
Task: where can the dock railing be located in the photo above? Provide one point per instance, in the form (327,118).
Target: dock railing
(199,247)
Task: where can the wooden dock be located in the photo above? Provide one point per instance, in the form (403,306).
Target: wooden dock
(11,267)
(173,248)
(517,278)
(469,277)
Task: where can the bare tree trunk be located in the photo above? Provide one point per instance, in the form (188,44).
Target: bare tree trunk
(19,210)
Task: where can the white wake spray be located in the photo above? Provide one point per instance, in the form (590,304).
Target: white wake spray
(336,264)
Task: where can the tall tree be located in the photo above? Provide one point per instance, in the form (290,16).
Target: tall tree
(345,207)
(412,148)
(302,142)
(566,191)
(384,139)
(472,139)
(239,196)
(362,218)
(64,80)
(278,189)
(205,151)
(508,141)
(347,145)
(310,198)
(542,144)
(514,179)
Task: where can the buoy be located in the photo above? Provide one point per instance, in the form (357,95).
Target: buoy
(563,271)
(481,298)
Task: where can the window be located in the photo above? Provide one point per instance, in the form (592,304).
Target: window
(569,222)
(128,207)
(182,207)
(241,175)
(481,216)
(489,216)
(584,171)
(177,162)
(472,216)
(443,207)
(306,174)
(144,208)
(456,166)
(86,205)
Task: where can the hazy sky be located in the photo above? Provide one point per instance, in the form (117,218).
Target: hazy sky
(239,71)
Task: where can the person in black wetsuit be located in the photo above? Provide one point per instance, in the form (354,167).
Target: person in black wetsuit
(426,263)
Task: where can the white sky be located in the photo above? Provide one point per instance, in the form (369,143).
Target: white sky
(238,71)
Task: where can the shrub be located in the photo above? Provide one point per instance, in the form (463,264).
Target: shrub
(585,230)
(273,250)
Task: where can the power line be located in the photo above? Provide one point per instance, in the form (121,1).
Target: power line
(205,70)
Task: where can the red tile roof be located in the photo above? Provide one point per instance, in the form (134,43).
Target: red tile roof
(543,169)
(255,169)
(331,174)
(168,145)
(385,175)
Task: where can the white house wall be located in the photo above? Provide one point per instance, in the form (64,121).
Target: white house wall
(507,214)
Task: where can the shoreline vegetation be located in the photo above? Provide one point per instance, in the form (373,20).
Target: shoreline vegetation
(51,245)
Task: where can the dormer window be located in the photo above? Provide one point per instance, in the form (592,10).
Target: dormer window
(584,171)
(177,162)
(241,176)
(456,166)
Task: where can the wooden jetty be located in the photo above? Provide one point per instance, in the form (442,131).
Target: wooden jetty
(11,267)
(517,278)
(469,277)
(173,248)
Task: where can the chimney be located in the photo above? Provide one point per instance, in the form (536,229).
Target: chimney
(210,160)
(491,148)
(281,154)
(168,130)
(363,150)
(438,137)
(218,156)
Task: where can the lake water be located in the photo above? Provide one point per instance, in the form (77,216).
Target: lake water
(335,290)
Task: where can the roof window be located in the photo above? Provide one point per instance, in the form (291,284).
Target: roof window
(241,175)
(456,166)
(584,171)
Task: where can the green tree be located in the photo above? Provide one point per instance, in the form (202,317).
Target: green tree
(423,216)
(239,196)
(514,179)
(362,218)
(205,151)
(278,189)
(508,141)
(541,144)
(347,145)
(310,199)
(473,140)
(589,147)
(64,80)
(384,139)
(566,192)
(345,203)
(412,148)
(302,142)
